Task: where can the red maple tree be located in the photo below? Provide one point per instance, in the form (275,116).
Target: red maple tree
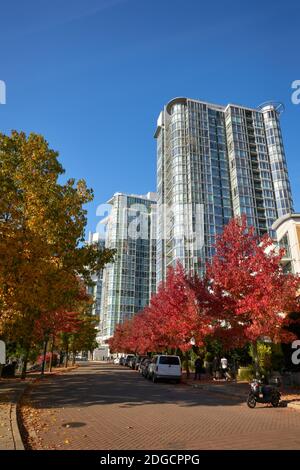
(176,318)
(245,296)
(248,280)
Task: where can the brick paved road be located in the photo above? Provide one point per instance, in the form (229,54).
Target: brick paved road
(102,406)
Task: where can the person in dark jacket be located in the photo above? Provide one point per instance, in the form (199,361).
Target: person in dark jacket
(198,368)
(215,368)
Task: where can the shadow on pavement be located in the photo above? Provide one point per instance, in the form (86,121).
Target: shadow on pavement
(110,384)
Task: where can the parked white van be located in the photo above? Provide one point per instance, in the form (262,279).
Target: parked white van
(165,367)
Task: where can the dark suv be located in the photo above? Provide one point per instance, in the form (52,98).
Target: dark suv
(129,357)
(137,362)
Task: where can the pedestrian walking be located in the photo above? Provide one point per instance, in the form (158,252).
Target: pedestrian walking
(198,368)
(215,367)
(224,366)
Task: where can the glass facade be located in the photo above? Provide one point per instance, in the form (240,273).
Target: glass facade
(128,282)
(95,290)
(281,183)
(213,163)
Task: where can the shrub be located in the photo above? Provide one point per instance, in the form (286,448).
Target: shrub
(264,357)
(277,357)
(269,357)
(246,373)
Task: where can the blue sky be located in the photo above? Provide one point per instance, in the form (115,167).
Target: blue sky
(93,75)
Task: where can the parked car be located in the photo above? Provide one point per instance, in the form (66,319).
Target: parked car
(122,361)
(81,358)
(128,359)
(9,369)
(144,366)
(131,362)
(165,367)
(137,361)
(35,367)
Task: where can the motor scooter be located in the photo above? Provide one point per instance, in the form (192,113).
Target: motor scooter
(263,393)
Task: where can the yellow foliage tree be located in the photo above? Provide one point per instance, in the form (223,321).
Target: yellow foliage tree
(42,223)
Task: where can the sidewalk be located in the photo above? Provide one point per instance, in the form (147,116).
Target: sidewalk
(289,395)
(10,393)
(237,389)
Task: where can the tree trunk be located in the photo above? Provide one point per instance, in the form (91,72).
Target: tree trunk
(255,359)
(67,355)
(51,356)
(44,356)
(24,365)
(61,358)
(187,368)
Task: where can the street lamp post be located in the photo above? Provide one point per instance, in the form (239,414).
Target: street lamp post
(2,356)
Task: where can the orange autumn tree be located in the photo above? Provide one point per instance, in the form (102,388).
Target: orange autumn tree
(53,324)
(42,226)
(67,320)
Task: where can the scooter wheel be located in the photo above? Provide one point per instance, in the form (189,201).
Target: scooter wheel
(275,403)
(275,400)
(251,402)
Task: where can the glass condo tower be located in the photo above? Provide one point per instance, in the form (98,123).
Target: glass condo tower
(130,280)
(215,162)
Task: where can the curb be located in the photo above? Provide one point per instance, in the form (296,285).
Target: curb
(18,443)
(13,418)
(295,405)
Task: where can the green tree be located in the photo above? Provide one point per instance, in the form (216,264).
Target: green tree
(85,337)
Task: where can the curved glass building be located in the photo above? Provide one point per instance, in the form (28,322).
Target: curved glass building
(215,162)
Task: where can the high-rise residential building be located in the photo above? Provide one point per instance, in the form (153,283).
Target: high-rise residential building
(130,280)
(215,162)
